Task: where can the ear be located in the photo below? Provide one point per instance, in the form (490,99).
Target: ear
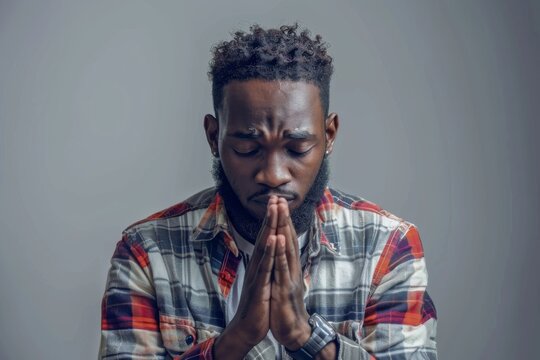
(211,128)
(331,129)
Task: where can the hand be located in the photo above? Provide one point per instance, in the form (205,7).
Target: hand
(288,315)
(251,323)
(272,294)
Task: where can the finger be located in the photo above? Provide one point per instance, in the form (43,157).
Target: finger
(270,220)
(286,227)
(294,257)
(283,213)
(268,227)
(293,234)
(281,268)
(266,265)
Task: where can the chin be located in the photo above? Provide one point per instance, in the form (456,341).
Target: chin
(258,213)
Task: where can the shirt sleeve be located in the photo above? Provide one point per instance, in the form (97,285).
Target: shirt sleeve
(400,318)
(130,327)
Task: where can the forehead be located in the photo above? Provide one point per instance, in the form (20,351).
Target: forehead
(273,104)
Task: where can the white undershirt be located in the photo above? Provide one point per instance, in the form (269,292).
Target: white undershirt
(246,251)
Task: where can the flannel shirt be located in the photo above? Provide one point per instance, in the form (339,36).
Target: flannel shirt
(363,268)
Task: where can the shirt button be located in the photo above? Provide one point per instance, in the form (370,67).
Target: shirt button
(189,339)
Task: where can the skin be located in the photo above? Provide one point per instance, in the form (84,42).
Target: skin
(271,138)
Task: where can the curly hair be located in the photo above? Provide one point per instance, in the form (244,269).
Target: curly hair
(271,54)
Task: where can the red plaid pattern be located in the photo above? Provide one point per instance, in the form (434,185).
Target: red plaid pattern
(172,272)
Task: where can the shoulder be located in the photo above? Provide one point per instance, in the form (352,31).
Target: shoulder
(353,224)
(180,217)
(363,229)
(352,208)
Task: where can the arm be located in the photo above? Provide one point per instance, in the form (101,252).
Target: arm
(400,319)
(289,323)
(130,327)
(251,322)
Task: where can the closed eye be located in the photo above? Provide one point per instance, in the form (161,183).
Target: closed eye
(297,153)
(245,153)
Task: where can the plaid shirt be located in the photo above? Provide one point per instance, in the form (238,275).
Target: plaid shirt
(171,273)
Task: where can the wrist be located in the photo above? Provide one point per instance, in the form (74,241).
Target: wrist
(229,345)
(303,335)
(321,343)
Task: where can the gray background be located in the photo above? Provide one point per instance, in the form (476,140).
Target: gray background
(101,108)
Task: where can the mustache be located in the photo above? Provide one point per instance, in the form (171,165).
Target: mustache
(274,191)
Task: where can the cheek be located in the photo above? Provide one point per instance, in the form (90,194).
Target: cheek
(238,174)
(306,172)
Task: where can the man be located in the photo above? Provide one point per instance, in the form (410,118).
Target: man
(271,263)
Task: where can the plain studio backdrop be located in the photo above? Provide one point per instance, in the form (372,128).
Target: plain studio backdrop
(101,108)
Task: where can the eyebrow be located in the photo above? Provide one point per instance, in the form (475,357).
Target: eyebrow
(250,135)
(289,134)
(298,134)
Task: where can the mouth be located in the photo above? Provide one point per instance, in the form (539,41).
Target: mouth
(259,203)
(263,199)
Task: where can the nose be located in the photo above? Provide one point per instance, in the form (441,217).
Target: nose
(273,172)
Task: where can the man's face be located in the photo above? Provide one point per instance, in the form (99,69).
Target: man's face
(271,138)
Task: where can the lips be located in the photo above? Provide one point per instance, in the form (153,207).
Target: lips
(263,199)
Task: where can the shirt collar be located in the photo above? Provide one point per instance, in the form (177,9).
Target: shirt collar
(213,221)
(326,207)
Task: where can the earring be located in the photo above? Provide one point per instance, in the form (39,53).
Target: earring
(215,154)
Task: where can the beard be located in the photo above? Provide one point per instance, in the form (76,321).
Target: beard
(249,226)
